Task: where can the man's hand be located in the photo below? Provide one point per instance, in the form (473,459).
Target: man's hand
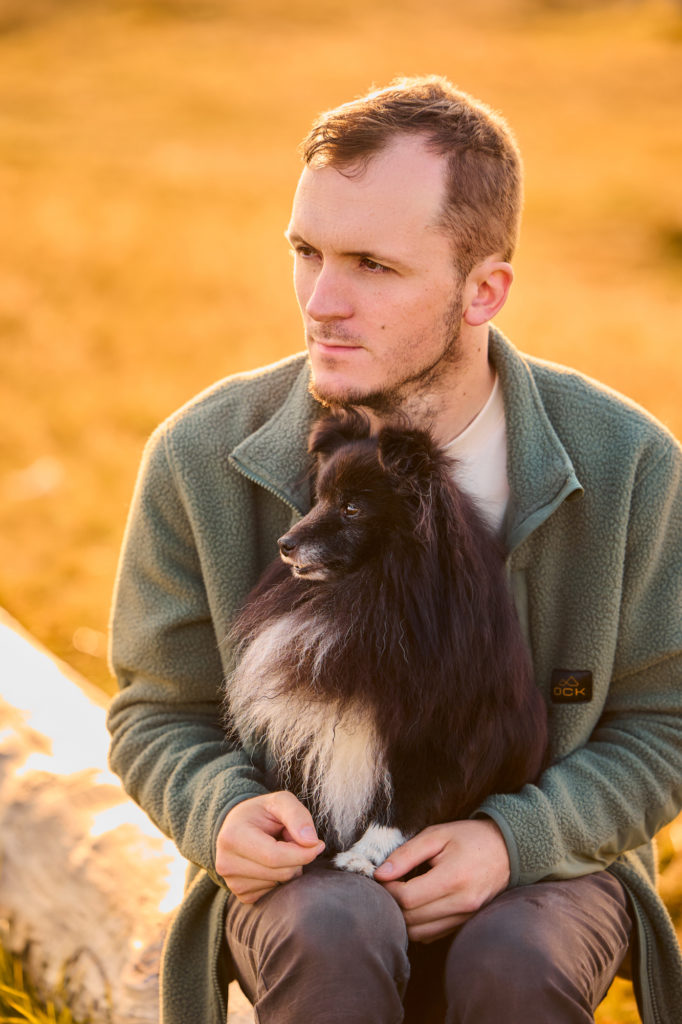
(264,841)
(469,865)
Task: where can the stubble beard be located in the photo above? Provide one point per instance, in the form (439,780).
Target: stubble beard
(411,397)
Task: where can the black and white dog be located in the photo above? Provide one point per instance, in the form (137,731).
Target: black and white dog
(381,658)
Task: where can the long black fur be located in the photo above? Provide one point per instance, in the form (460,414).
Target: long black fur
(432,648)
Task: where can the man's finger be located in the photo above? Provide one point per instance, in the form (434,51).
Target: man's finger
(435,888)
(248,893)
(264,853)
(294,818)
(405,858)
(233,866)
(271,852)
(449,905)
(430,931)
(273,831)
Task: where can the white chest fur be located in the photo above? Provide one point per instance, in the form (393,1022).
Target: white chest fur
(335,748)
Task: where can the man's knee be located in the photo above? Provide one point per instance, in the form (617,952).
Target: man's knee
(326,910)
(554,946)
(497,972)
(517,932)
(327,946)
(324,916)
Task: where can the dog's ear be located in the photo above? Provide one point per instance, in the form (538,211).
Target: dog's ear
(336,429)
(408,455)
(413,463)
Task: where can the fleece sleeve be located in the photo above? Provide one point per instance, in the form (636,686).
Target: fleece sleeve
(613,793)
(167,742)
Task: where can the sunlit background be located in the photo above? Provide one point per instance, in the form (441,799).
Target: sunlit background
(147,162)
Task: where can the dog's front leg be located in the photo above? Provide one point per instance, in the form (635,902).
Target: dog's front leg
(371,850)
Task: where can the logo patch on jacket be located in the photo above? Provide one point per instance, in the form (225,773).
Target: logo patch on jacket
(571,687)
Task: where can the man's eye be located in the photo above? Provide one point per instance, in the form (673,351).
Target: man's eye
(350,510)
(373,266)
(304,251)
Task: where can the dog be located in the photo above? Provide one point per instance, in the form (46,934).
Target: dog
(380,658)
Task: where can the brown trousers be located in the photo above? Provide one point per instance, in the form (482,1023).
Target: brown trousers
(331,947)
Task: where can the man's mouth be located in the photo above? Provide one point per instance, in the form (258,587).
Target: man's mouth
(333,343)
(331,348)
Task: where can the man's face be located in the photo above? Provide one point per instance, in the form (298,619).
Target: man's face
(375,278)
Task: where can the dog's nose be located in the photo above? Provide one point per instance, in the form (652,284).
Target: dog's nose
(286,544)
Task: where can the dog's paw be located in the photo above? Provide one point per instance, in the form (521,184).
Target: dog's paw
(371,850)
(352,860)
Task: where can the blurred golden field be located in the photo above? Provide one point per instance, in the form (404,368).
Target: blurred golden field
(147,162)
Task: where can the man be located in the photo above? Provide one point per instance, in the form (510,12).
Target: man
(403,226)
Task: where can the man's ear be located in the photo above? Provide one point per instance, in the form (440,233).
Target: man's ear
(486,290)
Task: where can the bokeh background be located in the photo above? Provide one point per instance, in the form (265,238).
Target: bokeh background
(147,163)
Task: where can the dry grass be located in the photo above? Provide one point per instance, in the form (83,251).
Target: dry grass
(19,1003)
(147,161)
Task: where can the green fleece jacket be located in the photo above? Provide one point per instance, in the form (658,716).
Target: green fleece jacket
(594,534)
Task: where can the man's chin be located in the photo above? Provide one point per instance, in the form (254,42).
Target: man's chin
(333,394)
(383,403)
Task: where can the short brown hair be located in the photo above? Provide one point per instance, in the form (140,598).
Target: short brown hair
(485,177)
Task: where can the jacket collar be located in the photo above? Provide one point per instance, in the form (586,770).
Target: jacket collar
(541,474)
(276,455)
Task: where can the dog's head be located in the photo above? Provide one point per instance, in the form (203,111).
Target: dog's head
(370,491)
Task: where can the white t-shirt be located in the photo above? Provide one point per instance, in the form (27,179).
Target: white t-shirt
(481,454)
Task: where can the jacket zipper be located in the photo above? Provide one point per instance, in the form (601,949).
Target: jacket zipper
(215,974)
(650,973)
(254,478)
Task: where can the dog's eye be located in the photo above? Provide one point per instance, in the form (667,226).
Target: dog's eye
(349,510)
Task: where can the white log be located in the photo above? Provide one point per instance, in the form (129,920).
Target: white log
(87,883)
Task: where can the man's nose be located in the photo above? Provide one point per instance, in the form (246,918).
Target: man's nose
(329,299)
